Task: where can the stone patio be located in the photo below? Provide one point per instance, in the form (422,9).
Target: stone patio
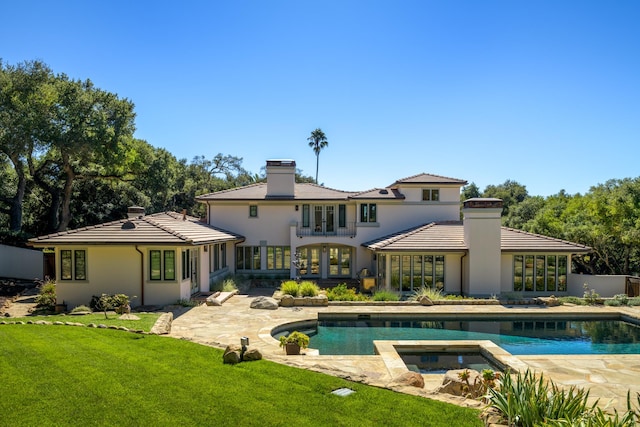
(609,377)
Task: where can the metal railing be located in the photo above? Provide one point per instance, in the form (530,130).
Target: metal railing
(348,231)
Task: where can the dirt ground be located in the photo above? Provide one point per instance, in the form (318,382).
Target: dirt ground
(17,298)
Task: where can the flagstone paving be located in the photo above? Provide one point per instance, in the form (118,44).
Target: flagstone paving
(609,377)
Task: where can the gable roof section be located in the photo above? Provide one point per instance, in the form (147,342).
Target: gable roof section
(302,191)
(449,236)
(168,228)
(513,240)
(425,178)
(443,236)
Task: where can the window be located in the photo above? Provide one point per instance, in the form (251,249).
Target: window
(368,212)
(162,265)
(73,264)
(278,257)
(339,261)
(431,194)
(540,273)
(253,211)
(342,216)
(305,216)
(186,264)
(248,258)
(218,257)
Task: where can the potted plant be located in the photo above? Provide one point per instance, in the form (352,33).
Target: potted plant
(293,342)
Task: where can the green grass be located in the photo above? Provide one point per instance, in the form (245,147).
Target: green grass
(78,376)
(146,322)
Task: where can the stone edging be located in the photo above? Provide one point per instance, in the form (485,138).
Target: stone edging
(161,327)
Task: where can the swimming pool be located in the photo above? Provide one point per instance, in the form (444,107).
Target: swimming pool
(529,336)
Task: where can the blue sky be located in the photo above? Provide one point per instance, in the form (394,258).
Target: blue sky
(546,93)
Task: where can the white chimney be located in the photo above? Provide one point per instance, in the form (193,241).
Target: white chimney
(135,212)
(281,178)
(482,230)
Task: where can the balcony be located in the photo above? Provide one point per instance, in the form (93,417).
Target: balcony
(321,231)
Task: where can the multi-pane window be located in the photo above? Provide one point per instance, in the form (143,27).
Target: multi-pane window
(431,194)
(411,272)
(278,257)
(540,273)
(73,264)
(339,261)
(248,258)
(162,265)
(253,211)
(368,212)
(218,257)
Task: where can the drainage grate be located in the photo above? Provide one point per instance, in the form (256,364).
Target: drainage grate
(343,392)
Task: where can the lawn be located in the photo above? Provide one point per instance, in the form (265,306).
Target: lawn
(145,323)
(56,375)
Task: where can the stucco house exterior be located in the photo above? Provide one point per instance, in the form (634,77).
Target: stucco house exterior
(158,259)
(407,235)
(403,237)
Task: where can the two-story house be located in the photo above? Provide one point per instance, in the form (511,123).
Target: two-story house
(407,235)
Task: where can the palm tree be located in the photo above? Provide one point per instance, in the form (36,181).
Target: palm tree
(317,141)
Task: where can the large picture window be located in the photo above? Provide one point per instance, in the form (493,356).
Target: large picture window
(73,264)
(248,258)
(278,257)
(411,272)
(540,273)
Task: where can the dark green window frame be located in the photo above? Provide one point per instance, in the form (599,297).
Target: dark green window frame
(253,211)
(431,194)
(368,212)
(73,264)
(162,265)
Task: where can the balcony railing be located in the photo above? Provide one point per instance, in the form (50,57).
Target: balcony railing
(348,231)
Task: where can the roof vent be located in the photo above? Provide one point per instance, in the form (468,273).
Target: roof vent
(384,191)
(134,212)
(128,225)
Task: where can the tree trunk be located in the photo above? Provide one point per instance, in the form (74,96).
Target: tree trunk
(70,175)
(15,203)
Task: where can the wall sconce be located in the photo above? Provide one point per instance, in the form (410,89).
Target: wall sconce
(296,208)
(206,248)
(324,248)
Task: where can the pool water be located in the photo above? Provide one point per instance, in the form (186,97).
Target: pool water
(522,337)
(439,363)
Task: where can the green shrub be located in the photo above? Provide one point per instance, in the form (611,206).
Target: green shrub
(431,293)
(613,302)
(622,298)
(634,302)
(229,285)
(343,293)
(511,296)
(386,296)
(80,309)
(46,299)
(572,300)
(590,295)
(308,289)
(105,302)
(290,287)
(529,401)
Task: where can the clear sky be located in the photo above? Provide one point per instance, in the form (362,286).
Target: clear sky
(546,93)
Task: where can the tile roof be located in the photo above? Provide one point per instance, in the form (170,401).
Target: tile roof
(379,193)
(425,178)
(302,191)
(449,236)
(168,228)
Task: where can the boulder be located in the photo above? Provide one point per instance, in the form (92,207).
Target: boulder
(453,384)
(231,355)
(425,300)
(264,303)
(409,378)
(162,325)
(287,301)
(252,354)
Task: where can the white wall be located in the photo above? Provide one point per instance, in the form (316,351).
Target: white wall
(605,286)
(20,263)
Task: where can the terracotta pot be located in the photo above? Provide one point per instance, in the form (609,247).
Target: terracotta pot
(292,348)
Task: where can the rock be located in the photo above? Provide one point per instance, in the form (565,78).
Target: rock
(163,324)
(425,300)
(264,303)
(252,354)
(453,384)
(231,355)
(551,301)
(287,300)
(129,316)
(213,301)
(409,378)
